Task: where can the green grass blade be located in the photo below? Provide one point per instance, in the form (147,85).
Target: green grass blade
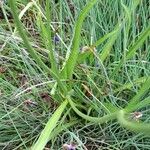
(139,42)
(46,38)
(141,104)
(30,49)
(92,119)
(60,128)
(71,58)
(135,4)
(129,85)
(132,49)
(49,38)
(127,17)
(108,46)
(106,36)
(82,57)
(144,89)
(24,37)
(51,124)
(133,126)
(110,107)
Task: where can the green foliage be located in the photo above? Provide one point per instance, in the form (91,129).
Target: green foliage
(133,126)
(136,99)
(138,43)
(71,58)
(50,125)
(105,83)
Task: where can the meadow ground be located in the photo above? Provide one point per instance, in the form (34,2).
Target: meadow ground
(75,71)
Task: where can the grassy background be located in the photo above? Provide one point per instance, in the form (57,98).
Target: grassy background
(94,83)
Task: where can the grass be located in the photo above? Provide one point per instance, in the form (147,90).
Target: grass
(71,72)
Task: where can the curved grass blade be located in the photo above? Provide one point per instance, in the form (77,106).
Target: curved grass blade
(24,37)
(30,4)
(100,120)
(72,56)
(144,89)
(129,85)
(136,3)
(133,126)
(50,125)
(30,48)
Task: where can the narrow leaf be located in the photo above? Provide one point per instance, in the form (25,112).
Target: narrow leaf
(49,39)
(71,58)
(141,104)
(108,46)
(30,48)
(129,85)
(133,126)
(92,119)
(139,42)
(144,89)
(24,37)
(51,124)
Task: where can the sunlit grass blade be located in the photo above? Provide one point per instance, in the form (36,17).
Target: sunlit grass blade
(46,38)
(133,126)
(29,5)
(72,56)
(144,89)
(64,124)
(50,125)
